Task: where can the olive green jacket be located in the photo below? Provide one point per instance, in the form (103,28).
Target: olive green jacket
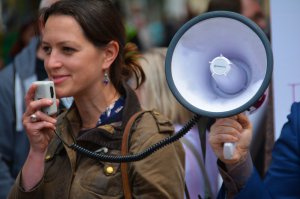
(69,174)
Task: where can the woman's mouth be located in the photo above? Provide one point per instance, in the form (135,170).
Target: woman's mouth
(58,79)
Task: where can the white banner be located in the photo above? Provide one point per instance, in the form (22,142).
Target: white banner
(285,37)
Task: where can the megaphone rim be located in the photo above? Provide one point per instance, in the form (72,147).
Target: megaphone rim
(187,26)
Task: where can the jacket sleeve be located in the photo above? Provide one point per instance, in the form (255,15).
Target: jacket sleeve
(160,175)
(283,177)
(17,190)
(254,188)
(6,131)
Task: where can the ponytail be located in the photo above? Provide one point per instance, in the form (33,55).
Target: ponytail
(129,67)
(132,64)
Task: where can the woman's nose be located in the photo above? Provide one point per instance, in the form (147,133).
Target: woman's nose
(53,60)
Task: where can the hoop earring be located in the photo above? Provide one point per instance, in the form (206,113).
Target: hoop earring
(106,78)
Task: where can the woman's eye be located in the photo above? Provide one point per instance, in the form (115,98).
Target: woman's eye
(68,50)
(47,50)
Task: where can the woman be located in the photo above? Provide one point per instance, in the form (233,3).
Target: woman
(86,58)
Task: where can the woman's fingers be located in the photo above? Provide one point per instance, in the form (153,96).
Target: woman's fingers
(35,105)
(39,126)
(30,94)
(44,117)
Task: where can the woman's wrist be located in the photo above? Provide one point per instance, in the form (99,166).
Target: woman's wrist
(33,169)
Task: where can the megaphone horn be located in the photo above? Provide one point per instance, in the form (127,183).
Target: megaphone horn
(219,64)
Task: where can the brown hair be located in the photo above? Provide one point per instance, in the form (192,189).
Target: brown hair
(101,23)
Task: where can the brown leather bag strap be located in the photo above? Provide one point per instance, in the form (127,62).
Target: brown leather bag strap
(124,151)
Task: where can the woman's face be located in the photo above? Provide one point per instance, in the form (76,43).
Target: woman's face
(72,62)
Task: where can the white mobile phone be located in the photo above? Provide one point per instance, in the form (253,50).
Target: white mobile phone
(46,89)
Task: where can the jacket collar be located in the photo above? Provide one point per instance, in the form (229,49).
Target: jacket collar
(69,124)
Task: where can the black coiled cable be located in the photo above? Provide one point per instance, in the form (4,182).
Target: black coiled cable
(137,156)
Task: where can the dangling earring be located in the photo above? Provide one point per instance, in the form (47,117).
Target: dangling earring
(106,78)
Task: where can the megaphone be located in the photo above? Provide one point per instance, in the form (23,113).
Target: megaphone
(219,64)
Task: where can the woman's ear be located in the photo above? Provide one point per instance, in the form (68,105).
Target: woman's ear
(110,53)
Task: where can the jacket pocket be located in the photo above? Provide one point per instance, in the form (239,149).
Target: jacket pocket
(100,178)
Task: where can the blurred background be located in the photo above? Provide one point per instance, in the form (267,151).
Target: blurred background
(149,23)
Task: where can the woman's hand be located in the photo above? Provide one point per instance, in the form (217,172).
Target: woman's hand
(237,129)
(39,132)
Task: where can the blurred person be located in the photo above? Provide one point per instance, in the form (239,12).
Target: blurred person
(241,179)
(249,8)
(86,56)
(155,94)
(26,33)
(15,79)
(253,10)
(138,24)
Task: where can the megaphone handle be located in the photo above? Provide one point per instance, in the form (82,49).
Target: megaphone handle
(228,150)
